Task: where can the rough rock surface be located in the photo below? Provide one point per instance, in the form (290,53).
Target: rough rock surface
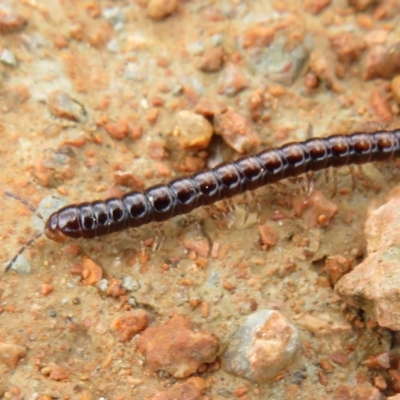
(374,285)
(262,347)
(176,348)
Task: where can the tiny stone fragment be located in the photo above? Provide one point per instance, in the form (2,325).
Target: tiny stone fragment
(7,58)
(63,106)
(262,347)
(130,324)
(382,62)
(258,36)
(118,130)
(10,354)
(193,131)
(57,372)
(316,6)
(194,239)
(212,60)
(176,348)
(361,5)
(159,9)
(268,235)
(92,273)
(209,108)
(188,390)
(11,22)
(236,130)
(321,210)
(233,81)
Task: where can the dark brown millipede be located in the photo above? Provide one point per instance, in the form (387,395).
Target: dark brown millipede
(181,196)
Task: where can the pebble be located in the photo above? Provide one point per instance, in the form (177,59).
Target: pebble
(118,130)
(316,6)
(396,88)
(320,211)
(346,46)
(8,58)
(131,323)
(323,71)
(61,105)
(382,62)
(92,273)
(374,284)
(236,131)
(209,108)
(258,36)
(353,392)
(262,347)
(337,266)
(53,167)
(194,239)
(267,235)
(176,348)
(57,372)
(233,81)
(159,9)
(193,131)
(11,22)
(10,354)
(212,60)
(361,5)
(189,390)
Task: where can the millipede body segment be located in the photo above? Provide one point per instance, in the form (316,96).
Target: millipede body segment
(181,196)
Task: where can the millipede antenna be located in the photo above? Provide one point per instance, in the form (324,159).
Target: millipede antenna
(30,241)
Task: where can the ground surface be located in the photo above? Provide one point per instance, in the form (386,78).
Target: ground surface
(89,97)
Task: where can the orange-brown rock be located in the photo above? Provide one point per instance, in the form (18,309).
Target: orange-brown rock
(177,348)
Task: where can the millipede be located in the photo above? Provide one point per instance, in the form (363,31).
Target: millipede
(181,196)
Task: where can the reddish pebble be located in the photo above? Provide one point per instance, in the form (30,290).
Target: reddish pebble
(377,361)
(10,354)
(212,60)
(355,392)
(92,273)
(184,391)
(209,108)
(176,348)
(46,289)
(361,5)
(194,239)
(320,207)
(346,46)
(382,62)
(337,266)
(130,324)
(119,130)
(268,235)
(379,103)
(233,82)
(11,22)
(259,36)
(237,131)
(159,9)
(58,373)
(152,115)
(315,6)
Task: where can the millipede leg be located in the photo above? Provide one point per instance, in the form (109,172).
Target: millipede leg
(159,240)
(230,215)
(135,235)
